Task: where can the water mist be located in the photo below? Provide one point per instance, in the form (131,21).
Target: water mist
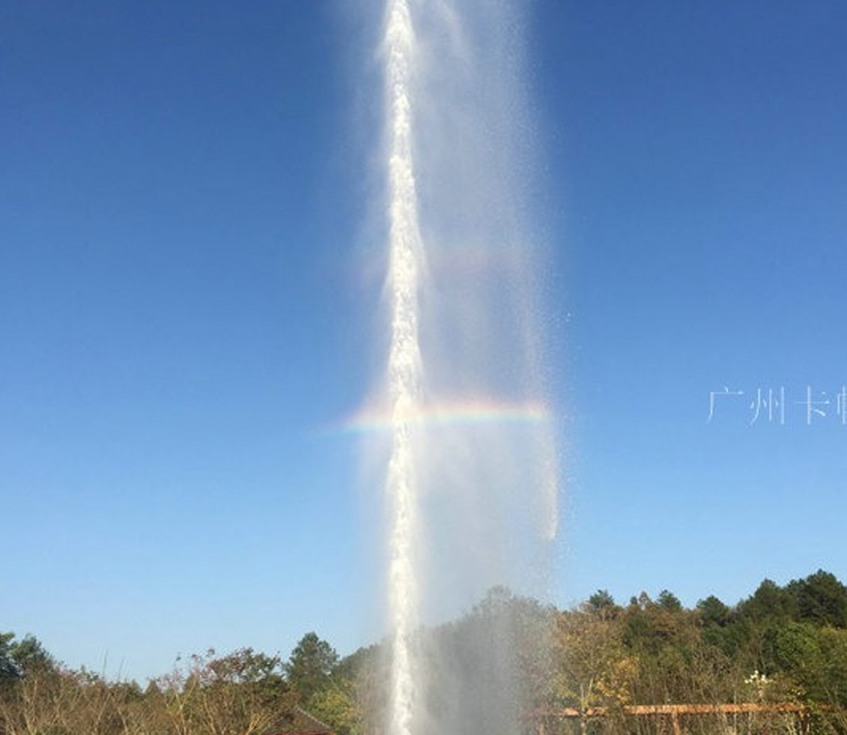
(471,478)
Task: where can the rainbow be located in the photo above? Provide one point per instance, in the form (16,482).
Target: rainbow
(444,414)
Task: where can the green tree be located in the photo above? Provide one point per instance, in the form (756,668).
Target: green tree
(601,603)
(833,643)
(310,666)
(667,600)
(17,658)
(368,671)
(769,602)
(336,705)
(714,612)
(8,666)
(820,599)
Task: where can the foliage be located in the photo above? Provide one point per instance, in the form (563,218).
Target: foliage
(19,657)
(337,706)
(310,666)
(595,669)
(238,694)
(781,644)
(364,675)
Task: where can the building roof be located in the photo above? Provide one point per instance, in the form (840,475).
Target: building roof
(299,722)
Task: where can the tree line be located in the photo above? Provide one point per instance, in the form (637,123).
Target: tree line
(784,644)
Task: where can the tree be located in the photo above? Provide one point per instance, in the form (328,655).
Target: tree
(594,666)
(821,599)
(667,600)
(713,612)
(601,603)
(8,666)
(17,658)
(310,666)
(769,603)
(241,693)
(364,675)
(31,656)
(337,707)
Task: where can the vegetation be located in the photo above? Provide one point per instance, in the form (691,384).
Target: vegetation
(780,645)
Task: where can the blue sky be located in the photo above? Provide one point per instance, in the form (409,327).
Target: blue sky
(183,311)
(697,160)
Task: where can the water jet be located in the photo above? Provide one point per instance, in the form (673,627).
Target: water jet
(470,477)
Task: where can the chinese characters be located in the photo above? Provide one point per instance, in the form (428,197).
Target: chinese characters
(775,406)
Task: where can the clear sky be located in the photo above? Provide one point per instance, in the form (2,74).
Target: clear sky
(184,314)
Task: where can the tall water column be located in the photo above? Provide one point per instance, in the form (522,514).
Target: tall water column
(471,478)
(404,360)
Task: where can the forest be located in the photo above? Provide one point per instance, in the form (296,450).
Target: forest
(783,648)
